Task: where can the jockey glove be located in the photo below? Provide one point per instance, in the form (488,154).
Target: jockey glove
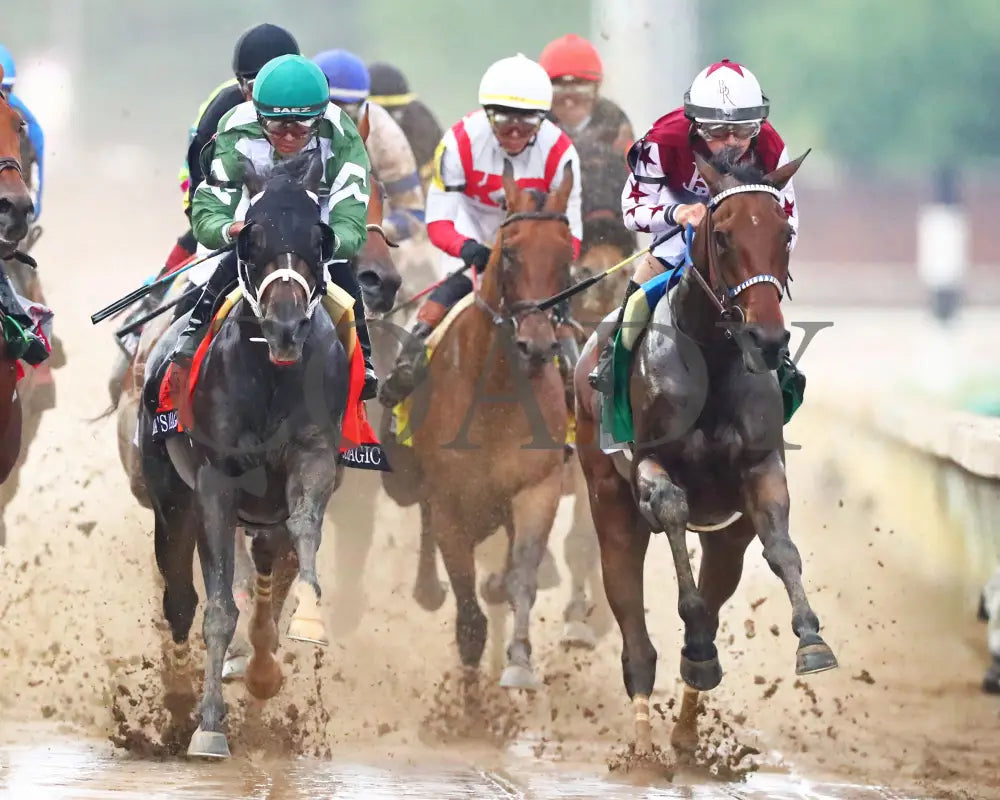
(474,254)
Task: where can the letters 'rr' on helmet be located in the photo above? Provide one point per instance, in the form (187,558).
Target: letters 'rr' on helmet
(725,92)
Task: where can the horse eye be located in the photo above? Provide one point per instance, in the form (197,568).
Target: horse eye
(721,239)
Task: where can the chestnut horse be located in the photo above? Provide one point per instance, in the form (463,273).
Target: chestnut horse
(15,208)
(490,422)
(708,452)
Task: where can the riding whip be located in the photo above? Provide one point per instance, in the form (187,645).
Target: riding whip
(142,291)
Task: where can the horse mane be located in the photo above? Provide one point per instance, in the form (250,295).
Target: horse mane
(727,162)
(295,168)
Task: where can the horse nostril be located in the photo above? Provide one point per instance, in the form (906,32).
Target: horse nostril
(786,338)
(369,280)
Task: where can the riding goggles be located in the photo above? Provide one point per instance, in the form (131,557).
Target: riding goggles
(295,126)
(576,90)
(506,123)
(723,130)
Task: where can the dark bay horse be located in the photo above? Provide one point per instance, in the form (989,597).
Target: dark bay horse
(15,209)
(263,452)
(708,452)
(492,422)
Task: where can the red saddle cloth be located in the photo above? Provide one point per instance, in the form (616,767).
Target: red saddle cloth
(359,446)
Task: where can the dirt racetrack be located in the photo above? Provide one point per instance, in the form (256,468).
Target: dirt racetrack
(79,636)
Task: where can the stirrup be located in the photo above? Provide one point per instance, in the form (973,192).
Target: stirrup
(601,377)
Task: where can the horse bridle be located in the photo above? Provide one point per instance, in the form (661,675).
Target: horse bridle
(515,313)
(254,294)
(11,163)
(724,298)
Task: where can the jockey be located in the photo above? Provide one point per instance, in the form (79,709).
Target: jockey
(393,162)
(391,91)
(29,345)
(723,109)
(290,112)
(463,204)
(253,50)
(576,71)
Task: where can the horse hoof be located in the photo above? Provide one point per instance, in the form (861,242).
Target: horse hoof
(234,669)
(812,658)
(208,744)
(579,634)
(684,739)
(548,575)
(517,677)
(307,621)
(263,677)
(431,596)
(701,675)
(308,630)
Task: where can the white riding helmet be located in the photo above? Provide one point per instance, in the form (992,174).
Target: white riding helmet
(725,92)
(516,82)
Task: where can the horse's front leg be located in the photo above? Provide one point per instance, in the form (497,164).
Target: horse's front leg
(263,673)
(665,507)
(534,512)
(311,476)
(766,498)
(216,549)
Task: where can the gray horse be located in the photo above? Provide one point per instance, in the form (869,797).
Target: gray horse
(263,454)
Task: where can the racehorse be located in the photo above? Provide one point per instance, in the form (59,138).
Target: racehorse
(263,452)
(15,209)
(377,276)
(708,452)
(606,242)
(493,419)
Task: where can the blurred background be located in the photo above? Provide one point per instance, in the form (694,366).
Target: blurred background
(896,100)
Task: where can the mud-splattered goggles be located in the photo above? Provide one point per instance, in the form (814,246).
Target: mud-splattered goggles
(723,130)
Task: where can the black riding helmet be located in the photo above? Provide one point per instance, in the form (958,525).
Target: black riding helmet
(389,86)
(259,45)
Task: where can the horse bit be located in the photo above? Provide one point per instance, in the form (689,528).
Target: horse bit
(516,312)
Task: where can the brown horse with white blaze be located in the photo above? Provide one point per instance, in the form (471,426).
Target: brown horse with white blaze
(489,424)
(708,453)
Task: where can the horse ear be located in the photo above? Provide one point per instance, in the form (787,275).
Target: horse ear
(708,173)
(253,180)
(783,174)
(364,125)
(314,173)
(245,241)
(510,189)
(559,199)
(328,242)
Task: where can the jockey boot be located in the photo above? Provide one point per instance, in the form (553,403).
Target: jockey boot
(370,389)
(601,377)
(22,342)
(569,354)
(409,368)
(198,323)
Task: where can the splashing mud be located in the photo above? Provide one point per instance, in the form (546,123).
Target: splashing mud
(81,630)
